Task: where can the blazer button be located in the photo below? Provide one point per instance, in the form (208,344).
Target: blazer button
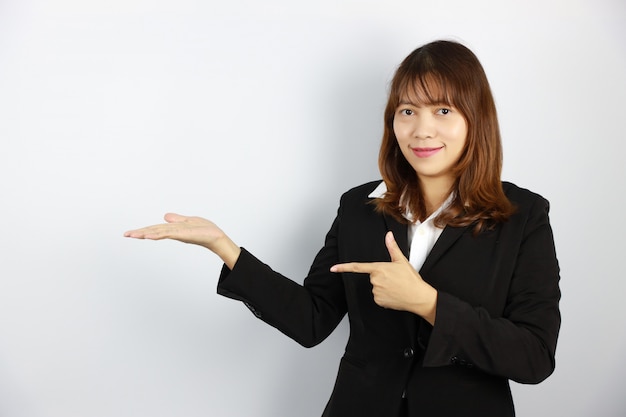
(408,353)
(454,360)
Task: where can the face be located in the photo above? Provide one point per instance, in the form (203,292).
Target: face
(431,137)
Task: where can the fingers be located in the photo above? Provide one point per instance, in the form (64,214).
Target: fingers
(136,234)
(157,231)
(150,232)
(394,250)
(357,267)
(369,267)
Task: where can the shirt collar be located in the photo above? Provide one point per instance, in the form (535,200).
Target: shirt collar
(381,189)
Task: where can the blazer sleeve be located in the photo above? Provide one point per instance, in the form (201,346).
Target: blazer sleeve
(306,313)
(520,344)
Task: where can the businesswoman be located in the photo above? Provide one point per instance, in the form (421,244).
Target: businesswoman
(449,276)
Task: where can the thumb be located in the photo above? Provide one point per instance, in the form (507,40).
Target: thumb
(174,218)
(394,250)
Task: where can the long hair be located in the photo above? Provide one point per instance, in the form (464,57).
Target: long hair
(447,72)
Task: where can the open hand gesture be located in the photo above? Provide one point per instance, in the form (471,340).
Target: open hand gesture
(193,230)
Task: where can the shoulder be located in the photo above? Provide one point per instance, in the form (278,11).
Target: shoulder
(360,193)
(358,222)
(522,197)
(356,202)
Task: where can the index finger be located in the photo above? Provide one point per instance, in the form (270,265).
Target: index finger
(357,267)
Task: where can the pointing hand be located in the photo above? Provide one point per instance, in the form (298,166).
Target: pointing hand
(396,284)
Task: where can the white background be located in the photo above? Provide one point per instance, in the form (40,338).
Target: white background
(259,115)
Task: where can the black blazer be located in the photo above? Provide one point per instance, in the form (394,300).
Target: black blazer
(497,312)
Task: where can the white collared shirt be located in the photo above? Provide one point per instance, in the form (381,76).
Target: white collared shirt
(422,235)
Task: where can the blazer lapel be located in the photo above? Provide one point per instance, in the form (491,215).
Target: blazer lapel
(411,322)
(400,233)
(417,329)
(447,239)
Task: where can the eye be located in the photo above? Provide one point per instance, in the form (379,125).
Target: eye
(406,112)
(443,111)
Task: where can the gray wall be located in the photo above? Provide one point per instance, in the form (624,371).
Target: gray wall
(259,115)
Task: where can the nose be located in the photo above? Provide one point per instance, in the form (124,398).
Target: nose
(423,126)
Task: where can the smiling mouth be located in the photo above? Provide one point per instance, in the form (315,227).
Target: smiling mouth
(425,152)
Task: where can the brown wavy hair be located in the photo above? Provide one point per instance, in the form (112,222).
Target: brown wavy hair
(447,72)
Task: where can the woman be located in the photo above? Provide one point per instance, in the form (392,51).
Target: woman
(483,308)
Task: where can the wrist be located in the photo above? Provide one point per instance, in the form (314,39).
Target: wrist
(426,307)
(227,250)
(430,307)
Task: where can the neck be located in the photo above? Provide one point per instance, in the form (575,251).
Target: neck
(435,191)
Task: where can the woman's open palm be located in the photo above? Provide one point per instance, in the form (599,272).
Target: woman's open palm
(194,230)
